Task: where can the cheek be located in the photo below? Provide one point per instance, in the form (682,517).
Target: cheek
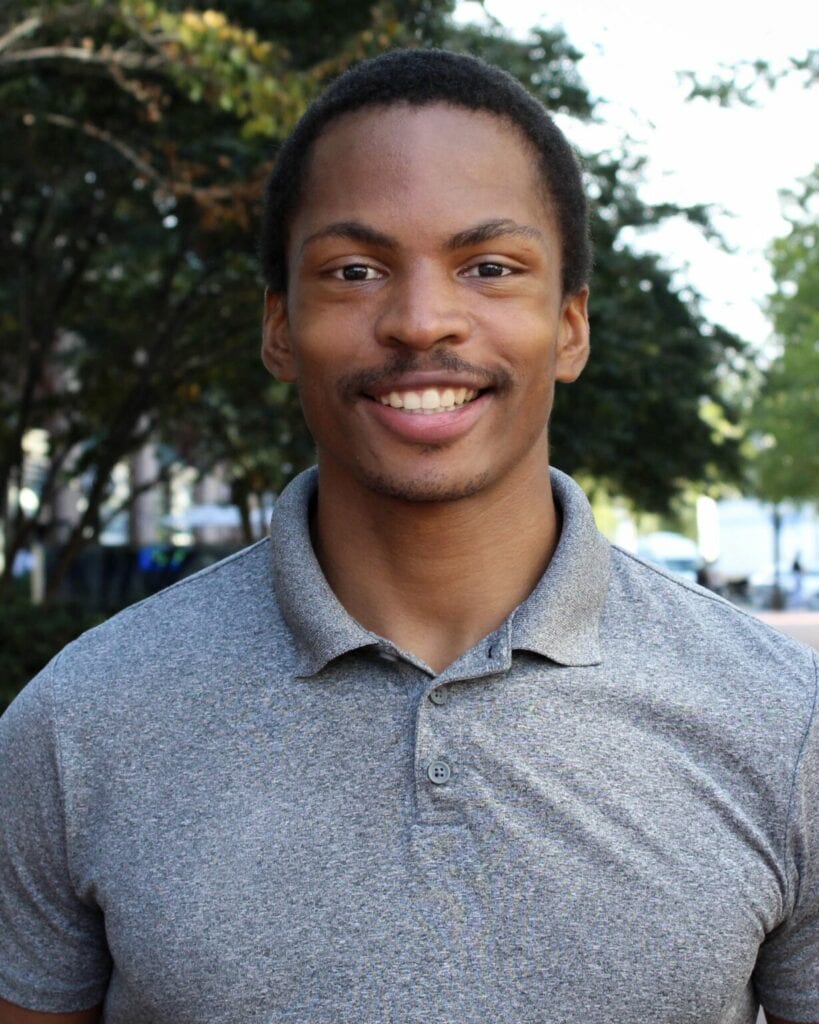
(314,408)
(529,348)
(326,336)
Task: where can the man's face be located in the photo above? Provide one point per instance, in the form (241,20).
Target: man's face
(424,321)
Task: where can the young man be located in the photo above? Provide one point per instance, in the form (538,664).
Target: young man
(436,750)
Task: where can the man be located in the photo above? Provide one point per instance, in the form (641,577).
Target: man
(435,751)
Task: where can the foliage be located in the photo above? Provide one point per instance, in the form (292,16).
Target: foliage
(546,63)
(649,414)
(742,82)
(137,135)
(785,417)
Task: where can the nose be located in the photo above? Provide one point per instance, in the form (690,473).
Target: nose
(422,307)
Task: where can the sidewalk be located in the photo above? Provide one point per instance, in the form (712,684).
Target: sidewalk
(802,625)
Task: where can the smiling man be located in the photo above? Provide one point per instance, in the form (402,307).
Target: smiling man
(435,750)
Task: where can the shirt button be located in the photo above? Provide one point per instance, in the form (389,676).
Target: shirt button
(387,655)
(439,772)
(439,696)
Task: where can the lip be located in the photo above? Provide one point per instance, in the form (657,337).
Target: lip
(428,428)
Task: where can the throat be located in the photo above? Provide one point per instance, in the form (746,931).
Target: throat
(435,581)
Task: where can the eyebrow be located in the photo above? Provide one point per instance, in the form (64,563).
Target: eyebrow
(490,229)
(356,231)
(353,231)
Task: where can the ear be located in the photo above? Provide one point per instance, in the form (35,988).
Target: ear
(277,352)
(573,337)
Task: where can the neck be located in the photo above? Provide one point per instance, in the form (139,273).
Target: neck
(434,577)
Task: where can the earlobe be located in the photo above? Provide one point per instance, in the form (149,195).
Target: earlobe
(277,353)
(573,337)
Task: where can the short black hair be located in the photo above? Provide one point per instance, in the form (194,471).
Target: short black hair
(421,77)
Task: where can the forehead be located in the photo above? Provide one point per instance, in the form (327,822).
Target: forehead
(401,162)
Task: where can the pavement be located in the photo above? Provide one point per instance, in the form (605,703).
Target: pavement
(803,625)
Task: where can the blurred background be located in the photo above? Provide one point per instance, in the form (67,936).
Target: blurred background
(140,437)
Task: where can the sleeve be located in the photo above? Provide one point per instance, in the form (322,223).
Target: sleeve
(787,971)
(53,955)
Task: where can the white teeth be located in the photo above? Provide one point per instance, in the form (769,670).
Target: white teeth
(429,400)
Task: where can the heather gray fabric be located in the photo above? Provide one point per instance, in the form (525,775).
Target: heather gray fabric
(216,807)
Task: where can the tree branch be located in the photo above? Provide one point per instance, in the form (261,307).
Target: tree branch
(106,59)
(212,193)
(25,28)
(101,135)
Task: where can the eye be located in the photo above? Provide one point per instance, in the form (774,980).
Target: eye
(488,269)
(355,272)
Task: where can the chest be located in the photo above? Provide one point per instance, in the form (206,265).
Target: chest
(318,871)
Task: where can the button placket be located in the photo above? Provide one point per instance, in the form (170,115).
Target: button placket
(435,759)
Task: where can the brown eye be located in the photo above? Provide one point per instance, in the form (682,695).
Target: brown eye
(355,272)
(488,270)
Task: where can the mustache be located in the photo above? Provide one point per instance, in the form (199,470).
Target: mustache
(351,385)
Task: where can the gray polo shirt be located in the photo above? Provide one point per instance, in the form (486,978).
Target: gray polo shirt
(231,803)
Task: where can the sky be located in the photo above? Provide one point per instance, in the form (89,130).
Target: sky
(737,159)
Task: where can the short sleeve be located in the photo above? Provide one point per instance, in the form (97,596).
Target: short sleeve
(787,972)
(53,956)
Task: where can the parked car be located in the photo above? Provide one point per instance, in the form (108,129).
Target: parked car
(799,589)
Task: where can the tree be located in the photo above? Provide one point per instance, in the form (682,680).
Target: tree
(742,82)
(651,412)
(785,416)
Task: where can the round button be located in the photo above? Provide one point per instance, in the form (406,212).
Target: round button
(439,696)
(439,772)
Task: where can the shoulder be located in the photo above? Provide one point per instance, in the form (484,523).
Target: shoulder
(213,626)
(739,697)
(682,606)
(706,638)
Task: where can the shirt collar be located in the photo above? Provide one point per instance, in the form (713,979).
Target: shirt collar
(321,626)
(559,620)
(561,617)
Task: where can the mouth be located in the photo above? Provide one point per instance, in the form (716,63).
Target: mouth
(432,415)
(429,400)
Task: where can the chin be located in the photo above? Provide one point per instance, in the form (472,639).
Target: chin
(429,489)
